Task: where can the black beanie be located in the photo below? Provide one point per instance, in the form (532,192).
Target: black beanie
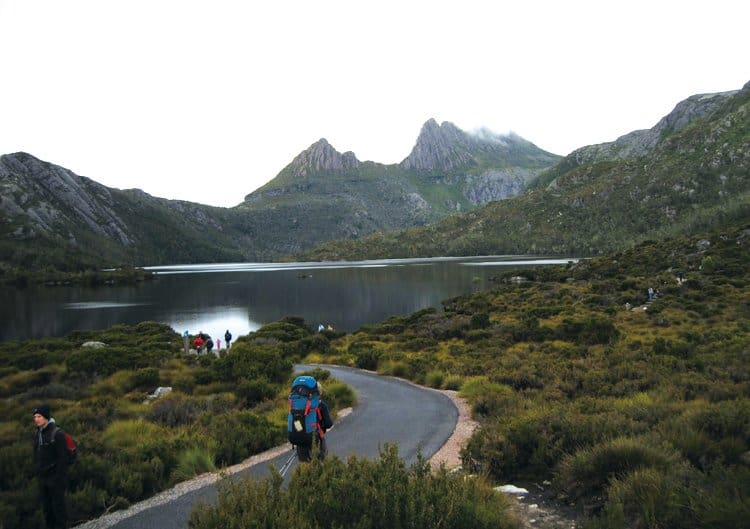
(43,410)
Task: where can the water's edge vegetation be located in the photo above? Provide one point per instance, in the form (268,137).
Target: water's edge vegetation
(89,277)
(638,412)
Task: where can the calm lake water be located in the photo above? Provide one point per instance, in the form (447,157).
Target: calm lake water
(244,296)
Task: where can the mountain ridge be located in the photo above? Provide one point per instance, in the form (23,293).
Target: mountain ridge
(321,195)
(449,193)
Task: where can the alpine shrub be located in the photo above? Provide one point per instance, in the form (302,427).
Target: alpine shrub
(361,493)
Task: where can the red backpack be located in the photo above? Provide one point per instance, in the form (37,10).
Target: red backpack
(71,449)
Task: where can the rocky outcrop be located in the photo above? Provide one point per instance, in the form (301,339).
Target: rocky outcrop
(496,185)
(643,142)
(52,199)
(322,157)
(440,148)
(445,150)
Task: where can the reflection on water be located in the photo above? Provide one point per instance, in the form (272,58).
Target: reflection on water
(92,305)
(214,321)
(243,296)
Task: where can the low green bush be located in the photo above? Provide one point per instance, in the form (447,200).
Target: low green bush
(249,361)
(395,368)
(649,498)
(435,379)
(239,434)
(338,396)
(381,494)
(366,354)
(144,379)
(453,382)
(175,409)
(287,330)
(255,391)
(480,320)
(192,462)
(589,471)
(487,397)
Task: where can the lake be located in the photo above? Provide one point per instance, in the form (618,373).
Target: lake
(242,297)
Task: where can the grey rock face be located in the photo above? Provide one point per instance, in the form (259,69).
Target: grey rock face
(440,147)
(496,185)
(48,195)
(321,156)
(447,149)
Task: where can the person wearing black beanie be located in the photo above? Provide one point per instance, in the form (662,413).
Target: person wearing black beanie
(43,410)
(50,467)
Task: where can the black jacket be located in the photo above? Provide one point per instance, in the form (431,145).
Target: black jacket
(50,455)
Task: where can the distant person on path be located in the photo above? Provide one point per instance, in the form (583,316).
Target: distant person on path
(650,294)
(198,343)
(228,337)
(50,467)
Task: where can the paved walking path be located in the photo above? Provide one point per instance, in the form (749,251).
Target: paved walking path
(389,410)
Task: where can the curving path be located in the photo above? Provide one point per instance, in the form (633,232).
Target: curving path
(389,410)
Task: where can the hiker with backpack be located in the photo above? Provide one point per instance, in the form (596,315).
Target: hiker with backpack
(198,343)
(309,418)
(51,459)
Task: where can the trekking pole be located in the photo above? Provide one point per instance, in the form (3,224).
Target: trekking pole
(286,466)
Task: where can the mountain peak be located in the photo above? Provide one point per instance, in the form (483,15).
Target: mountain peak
(439,147)
(322,157)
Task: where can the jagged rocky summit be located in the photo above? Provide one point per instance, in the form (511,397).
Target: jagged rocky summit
(320,157)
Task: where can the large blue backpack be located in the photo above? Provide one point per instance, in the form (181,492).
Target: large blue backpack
(304,412)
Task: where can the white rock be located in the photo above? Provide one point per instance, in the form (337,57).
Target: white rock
(511,489)
(158,392)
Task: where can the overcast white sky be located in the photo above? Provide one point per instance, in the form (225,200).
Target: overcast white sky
(208,100)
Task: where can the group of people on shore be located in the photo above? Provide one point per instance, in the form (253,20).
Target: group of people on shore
(204,343)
